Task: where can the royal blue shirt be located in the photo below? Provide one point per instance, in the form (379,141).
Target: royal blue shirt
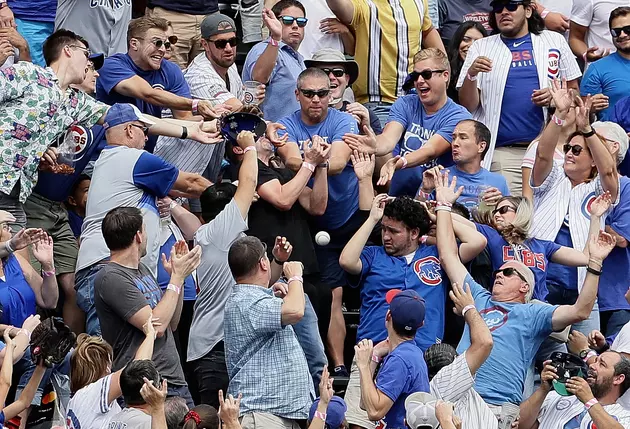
(614,282)
(521,120)
(474,185)
(280,98)
(419,126)
(76,223)
(402,373)
(164,278)
(534,253)
(120,67)
(517,330)
(620,114)
(34,10)
(609,76)
(343,188)
(381,272)
(558,274)
(16,295)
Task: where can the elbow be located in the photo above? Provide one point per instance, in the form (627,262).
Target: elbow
(319,209)
(485,344)
(333,170)
(259,75)
(374,415)
(293,316)
(283,205)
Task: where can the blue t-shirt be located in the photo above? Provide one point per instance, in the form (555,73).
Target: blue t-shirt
(517,330)
(609,76)
(120,67)
(343,188)
(89,142)
(534,253)
(558,274)
(76,223)
(16,295)
(163,278)
(521,120)
(381,273)
(34,10)
(409,112)
(473,183)
(402,373)
(614,282)
(620,114)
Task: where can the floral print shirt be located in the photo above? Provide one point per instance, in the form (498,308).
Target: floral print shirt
(34,112)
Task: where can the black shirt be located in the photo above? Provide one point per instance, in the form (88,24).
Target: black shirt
(193,7)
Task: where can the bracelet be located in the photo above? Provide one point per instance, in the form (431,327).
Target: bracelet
(465,309)
(50,273)
(593,271)
(404,160)
(324,165)
(248,148)
(557,121)
(174,288)
(443,208)
(310,167)
(443,204)
(195,106)
(589,134)
(544,13)
(423,239)
(590,403)
(7,245)
(596,262)
(321,416)
(184,133)
(295,279)
(584,55)
(273,42)
(471,78)
(375,358)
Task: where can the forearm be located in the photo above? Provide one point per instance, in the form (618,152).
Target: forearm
(469,95)
(351,253)
(21,342)
(447,246)
(233,424)
(165,309)
(186,123)
(577,43)
(544,153)
(25,53)
(6,372)
(50,289)
(265,64)
(530,409)
(294,302)
(194,186)
(276,272)
(602,419)
(480,340)
(319,194)
(472,241)
(290,191)
(366,194)
(605,164)
(158,418)
(431,39)
(145,351)
(27,395)
(166,99)
(177,314)
(336,165)
(385,144)
(587,296)
(187,222)
(369,394)
(593,231)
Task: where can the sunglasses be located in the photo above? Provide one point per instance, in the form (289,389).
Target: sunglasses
(508,272)
(425,74)
(158,43)
(310,93)
(221,44)
(289,20)
(337,71)
(86,51)
(173,40)
(510,6)
(144,129)
(575,149)
(503,210)
(616,32)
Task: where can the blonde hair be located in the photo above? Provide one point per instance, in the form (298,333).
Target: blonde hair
(138,27)
(89,361)
(436,54)
(518,231)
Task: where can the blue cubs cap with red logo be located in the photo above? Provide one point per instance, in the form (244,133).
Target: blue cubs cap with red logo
(407,308)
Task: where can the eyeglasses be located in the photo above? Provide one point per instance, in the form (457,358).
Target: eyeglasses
(158,43)
(310,93)
(575,149)
(508,272)
(144,129)
(510,6)
(221,44)
(503,210)
(289,20)
(173,40)
(85,50)
(616,32)
(337,71)
(425,74)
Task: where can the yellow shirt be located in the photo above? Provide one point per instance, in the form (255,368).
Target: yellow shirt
(388,35)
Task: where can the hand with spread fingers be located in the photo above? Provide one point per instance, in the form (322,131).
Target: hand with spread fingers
(282,249)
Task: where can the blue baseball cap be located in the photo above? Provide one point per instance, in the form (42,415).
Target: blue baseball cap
(407,308)
(97,60)
(122,113)
(335,413)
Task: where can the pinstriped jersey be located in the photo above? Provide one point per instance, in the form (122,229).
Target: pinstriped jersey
(567,412)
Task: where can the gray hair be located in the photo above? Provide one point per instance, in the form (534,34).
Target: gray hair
(175,409)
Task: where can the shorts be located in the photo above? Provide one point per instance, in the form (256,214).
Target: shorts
(355,415)
(52,217)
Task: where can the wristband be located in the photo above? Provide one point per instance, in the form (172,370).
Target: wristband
(295,279)
(443,204)
(195,106)
(277,261)
(593,271)
(50,273)
(584,56)
(248,148)
(184,133)
(310,167)
(273,42)
(376,358)
(465,309)
(423,239)
(590,403)
(7,245)
(425,195)
(174,288)
(173,204)
(321,416)
(404,161)
(544,13)
(324,165)
(471,78)
(589,134)
(558,121)
(590,354)
(443,208)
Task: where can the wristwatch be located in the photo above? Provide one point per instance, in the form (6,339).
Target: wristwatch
(324,165)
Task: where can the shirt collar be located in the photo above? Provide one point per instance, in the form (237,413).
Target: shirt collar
(266,290)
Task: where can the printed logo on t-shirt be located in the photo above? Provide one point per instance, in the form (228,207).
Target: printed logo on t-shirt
(428,270)
(149,288)
(480,17)
(108,3)
(525,255)
(495,317)
(301,143)
(380,425)
(414,139)
(592,424)
(522,58)
(587,203)
(554,63)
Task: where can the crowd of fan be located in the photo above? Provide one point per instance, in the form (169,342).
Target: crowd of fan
(455,170)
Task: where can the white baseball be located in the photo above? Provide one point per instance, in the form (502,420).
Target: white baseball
(322,238)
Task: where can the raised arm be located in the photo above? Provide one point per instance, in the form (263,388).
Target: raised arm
(469,91)
(364,169)
(530,409)
(45,288)
(187,222)
(294,302)
(27,395)
(266,62)
(247,174)
(343,10)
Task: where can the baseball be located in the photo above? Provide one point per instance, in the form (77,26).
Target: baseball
(322,238)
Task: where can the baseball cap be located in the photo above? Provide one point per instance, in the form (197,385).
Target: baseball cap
(420,411)
(406,307)
(217,24)
(614,132)
(567,366)
(234,123)
(121,113)
(335,413)
(97,60)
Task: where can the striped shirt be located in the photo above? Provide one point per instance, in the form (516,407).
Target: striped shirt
(553,59)
(88,408)
(205,84)
(454,383)
(390,34)
(562,412)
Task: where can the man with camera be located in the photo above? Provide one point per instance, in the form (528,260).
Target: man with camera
(593,400)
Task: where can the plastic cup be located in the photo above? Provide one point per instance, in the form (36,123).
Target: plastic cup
(250,91)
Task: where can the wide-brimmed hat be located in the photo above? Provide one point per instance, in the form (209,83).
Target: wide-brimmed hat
(333,56)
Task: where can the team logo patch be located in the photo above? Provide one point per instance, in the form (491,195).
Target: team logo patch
(587,203)
(553,66)
(495,317)
(428,270)
(79,136)
(592,424)
(158,86)
(563,404)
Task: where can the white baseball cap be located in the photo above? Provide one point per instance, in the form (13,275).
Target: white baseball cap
(613,132)
(420,411)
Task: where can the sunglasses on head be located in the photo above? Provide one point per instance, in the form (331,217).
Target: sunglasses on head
(144,129)
(616,32)
(575,149)
(289,20)
(510,6)
(503,210)
(337,71)
(310,93)
(221,44)
(425,74)
(508,272)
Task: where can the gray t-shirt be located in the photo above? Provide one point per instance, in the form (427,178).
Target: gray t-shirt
(454,12)
(103,23)
(214,278)
(119,293)
(130,418)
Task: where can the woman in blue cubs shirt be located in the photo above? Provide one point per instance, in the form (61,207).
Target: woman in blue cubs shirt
(508,238)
